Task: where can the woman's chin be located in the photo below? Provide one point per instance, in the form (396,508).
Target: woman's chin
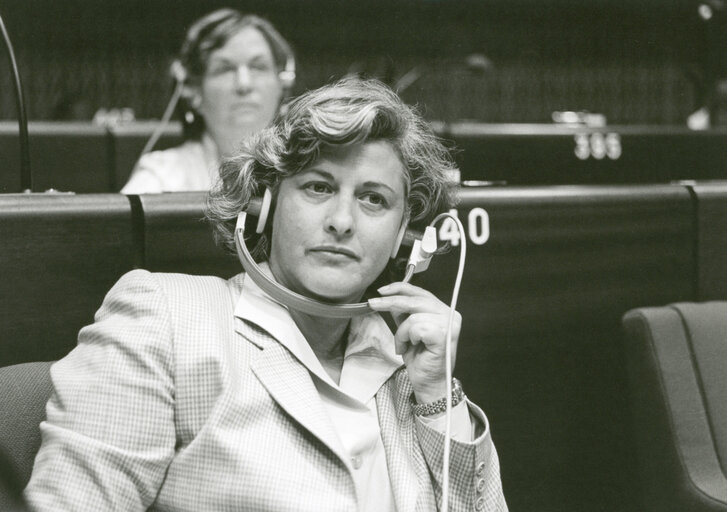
(336,293)
(334,297)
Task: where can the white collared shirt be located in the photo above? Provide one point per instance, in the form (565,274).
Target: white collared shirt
(191,166)
(370,359)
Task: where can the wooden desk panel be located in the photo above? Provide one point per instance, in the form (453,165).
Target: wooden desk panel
(59,256)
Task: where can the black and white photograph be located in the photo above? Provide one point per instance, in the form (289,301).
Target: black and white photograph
(363,256)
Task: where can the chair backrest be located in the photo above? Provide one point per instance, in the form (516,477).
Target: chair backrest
(711,203)
(677,356)
(172,218)
(25,390)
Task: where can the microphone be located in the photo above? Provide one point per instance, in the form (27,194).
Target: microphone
(477,64)
(26,181)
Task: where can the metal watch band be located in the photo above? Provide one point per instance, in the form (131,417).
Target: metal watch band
(440,405)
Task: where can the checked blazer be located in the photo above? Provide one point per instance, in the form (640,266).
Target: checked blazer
(170,402)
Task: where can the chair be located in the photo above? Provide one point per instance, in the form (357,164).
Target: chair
(169,218)
(25,390)
(677,357)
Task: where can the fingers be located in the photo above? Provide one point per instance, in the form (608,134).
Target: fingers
(400,305)
(406,299)
(401,288)
(419,328)
(428,329)
(423,323)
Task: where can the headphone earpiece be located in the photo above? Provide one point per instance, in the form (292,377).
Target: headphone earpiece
(190,94)
(287,76)
(262,217)
(178,71)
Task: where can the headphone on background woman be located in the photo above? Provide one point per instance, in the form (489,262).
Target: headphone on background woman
(196,33)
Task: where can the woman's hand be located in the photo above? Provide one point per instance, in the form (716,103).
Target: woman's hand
(421,335)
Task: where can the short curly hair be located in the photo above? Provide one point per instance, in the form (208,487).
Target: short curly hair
(348,112)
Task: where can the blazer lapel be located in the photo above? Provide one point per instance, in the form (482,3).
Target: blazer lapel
(407,468)
(291,386)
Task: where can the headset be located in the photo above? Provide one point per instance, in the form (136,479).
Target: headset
(423,247)
(286,75)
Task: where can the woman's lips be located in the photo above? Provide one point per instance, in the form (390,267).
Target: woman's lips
(245,105)
(335,252)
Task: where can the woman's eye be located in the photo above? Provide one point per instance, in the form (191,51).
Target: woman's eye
(374,199)
(260,66)
(318,188)
(221,69)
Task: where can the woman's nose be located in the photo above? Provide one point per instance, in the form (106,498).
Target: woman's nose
(243,80)
(340,219)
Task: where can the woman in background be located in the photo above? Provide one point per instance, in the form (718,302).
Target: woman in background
(232,73)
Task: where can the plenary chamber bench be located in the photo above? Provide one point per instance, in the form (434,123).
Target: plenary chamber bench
(86,158)
(541,342)
(77,156)
(550,272)
(69,156)
(552,154)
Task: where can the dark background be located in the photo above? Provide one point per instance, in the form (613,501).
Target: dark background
(636,61)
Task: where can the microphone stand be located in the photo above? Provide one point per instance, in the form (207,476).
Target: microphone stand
(26,180)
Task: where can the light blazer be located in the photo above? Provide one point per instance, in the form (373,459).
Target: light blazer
(170,402)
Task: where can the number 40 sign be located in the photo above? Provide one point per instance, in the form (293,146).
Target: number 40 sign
(477,227)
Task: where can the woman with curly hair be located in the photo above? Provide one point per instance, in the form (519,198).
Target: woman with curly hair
(196,393)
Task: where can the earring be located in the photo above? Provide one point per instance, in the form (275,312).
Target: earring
(195,102)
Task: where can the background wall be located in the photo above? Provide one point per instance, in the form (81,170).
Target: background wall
(632,60)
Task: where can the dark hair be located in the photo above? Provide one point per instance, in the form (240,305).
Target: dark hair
(210,33)
(351,111)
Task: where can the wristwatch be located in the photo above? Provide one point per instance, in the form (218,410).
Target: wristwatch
(438,405)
